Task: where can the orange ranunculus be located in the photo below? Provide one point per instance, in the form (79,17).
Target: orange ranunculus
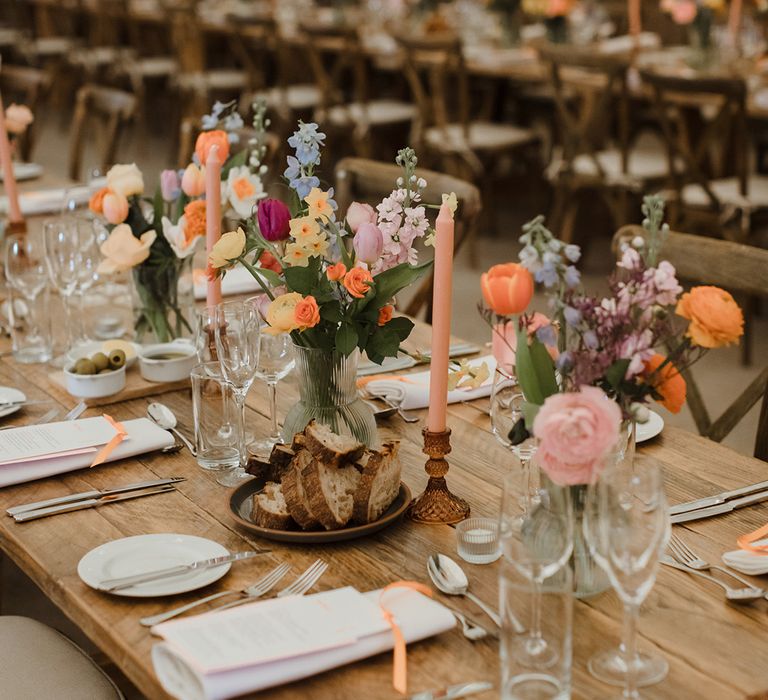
(715,318)
(96,202)
(307,313)
(217,137)
(194,215)
(267,261)
(668,382)
(385,314)
(358,281)
(336,272)
(507,288)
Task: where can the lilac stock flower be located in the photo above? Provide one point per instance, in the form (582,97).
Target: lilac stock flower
(274,218)
(170,185)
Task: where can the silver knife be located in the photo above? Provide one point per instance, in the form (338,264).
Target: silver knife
(719,509)
(116,584)
(96,493)
(461,690)
(717,499)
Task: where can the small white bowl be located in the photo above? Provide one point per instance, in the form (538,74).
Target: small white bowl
(95,386)
(154,369)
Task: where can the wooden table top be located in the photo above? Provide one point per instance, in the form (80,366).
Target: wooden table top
(715,651)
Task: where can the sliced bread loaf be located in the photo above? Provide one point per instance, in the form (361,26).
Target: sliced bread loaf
(270,509)
(331,449)
(293,490)
(329,492)
(379,484)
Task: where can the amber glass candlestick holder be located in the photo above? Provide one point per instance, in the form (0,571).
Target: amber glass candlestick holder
(437,505)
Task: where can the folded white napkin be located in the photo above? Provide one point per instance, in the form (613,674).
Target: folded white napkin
(413,389)
(417,616)
(143,436)
(237,281)
(50,201)
(747,562)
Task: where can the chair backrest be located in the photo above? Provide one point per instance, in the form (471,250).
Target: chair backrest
(187,38)
(369,181)
(28,86)
(113,109)
(738,268)
(714,150)
(591,98)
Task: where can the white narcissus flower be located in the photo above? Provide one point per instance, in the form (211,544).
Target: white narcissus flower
(126,180)
(176,235)
(244,190)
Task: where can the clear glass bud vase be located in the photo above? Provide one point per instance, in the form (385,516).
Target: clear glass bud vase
(328,394)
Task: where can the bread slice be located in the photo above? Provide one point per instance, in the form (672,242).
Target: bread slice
(379,484)
(331,449)
(329,491)
(293,491)
(281,457)
(270,509)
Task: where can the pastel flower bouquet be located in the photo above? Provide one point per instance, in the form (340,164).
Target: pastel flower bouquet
(157,238)
(554,14)
(696,14)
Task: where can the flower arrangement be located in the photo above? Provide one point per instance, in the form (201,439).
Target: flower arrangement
(331,282)
(629,346)
(17,119)
(156,238)
(698,14)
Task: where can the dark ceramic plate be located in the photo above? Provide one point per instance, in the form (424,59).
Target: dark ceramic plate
(241,502)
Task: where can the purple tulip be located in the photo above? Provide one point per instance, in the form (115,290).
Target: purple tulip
(368,243)
(170,185)
(274,218)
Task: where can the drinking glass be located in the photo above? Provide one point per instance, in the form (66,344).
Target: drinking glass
(237,332)
(204,335)
(275,362)
(626,525)
(215,434)
(26,273)
(536,539)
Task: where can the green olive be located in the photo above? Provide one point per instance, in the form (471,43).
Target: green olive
(106,371)
(84,366)
(100,360)
(116,359)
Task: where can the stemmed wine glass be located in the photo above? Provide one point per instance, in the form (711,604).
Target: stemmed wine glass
(237,330)
(627,527)
(537,540)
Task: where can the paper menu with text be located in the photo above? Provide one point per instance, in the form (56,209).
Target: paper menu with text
(272,630)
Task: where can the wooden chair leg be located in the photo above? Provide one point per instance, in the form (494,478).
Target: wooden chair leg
(568,229)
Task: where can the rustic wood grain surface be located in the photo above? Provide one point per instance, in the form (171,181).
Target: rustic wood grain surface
(715,651)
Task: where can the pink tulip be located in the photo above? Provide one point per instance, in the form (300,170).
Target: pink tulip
(368,243)
(193,181)
(358,214)
(115,208)
(274,218)
(170,186)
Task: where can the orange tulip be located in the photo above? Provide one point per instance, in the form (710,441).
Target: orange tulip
(715,318)
(668,382)
(212,138)
(507,288)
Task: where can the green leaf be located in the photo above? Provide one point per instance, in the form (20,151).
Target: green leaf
(529,415)
(302,279)
(401,325)
(535,369)
(331,312)
(519,432)
(158,205)
(346,338)
(383,343)
(271,276)
(234,162)
(390,282)
(544,367)
(616,372)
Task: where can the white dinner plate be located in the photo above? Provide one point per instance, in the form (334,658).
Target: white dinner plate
(145,553)
(391,364)
(650,429)
(9,394)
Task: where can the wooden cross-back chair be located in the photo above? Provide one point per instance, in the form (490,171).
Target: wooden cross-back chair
(591,98)
(28,86)
(738,268)
(369,181)
(713,189)
(114,109)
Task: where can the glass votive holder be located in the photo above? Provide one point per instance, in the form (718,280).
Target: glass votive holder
(30,325)
(215,416)
(477,540)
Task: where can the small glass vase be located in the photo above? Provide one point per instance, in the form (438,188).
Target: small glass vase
(163,301)
(328,394)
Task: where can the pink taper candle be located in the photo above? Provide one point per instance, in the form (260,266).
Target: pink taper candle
(734,22)
(213,216)
(441,320)
(635,21)
(9,181)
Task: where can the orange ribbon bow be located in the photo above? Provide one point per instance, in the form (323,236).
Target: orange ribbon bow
(105,451)
(400,669)
(745,541)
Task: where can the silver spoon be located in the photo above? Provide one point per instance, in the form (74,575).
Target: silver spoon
(165,418)
(450,578)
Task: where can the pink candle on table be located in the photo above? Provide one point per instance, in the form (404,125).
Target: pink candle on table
(635,21)
(14,211)
(441,320)
(734,22)
(213,216)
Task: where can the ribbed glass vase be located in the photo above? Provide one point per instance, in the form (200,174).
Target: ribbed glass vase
(328,394)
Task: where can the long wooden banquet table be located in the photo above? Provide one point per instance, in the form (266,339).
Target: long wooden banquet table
(716,651)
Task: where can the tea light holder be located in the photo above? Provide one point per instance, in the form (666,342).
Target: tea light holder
(437,505)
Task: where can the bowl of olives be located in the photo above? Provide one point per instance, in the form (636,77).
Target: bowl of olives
(96,376)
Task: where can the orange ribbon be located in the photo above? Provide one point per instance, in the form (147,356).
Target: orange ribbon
(745,541)
(400,668)
(105,451)
(364,381)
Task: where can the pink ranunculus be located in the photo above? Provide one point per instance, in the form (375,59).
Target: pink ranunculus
(358,214)
(274,219)
(368,243)
(684,11)
(504,339)
(576,431)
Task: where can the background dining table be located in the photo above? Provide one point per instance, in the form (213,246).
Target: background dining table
(715,650)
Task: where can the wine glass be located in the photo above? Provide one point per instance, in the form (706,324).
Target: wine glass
(626,525)
(90,256)
(237,332)
(275,362)
(536,539)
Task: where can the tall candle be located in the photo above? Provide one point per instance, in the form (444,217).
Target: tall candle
(14,211)
(734,22)
(441,320)
(635,21)
(213,216)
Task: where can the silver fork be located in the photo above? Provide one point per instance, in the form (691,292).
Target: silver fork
(255,590)
(687,557)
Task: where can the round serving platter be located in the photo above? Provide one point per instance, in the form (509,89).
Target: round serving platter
(241,503)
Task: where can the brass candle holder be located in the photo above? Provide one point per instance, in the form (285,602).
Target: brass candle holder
(437,505)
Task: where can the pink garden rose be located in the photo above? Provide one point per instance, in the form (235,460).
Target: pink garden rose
(576,431)
(358,214)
